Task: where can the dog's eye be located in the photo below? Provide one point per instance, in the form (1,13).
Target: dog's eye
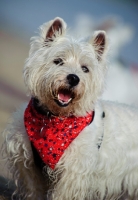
(58,61)
(85,69)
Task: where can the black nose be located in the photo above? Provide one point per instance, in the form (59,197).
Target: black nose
(73,79)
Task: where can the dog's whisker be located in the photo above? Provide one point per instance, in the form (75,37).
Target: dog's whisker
(65,143)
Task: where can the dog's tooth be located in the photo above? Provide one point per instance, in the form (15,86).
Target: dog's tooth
(65,102)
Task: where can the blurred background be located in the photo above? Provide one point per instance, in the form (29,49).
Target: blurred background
(19,20)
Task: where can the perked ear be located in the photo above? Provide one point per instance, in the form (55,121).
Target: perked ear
(56,27)
(99,41)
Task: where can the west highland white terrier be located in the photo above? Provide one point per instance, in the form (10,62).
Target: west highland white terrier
(65,144)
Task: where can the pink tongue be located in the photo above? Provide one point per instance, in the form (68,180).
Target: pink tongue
(63,97)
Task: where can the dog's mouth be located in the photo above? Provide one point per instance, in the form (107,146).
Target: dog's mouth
(64,97)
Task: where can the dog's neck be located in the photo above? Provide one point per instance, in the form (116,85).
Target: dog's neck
(40,108)
(44,119)
(45,133)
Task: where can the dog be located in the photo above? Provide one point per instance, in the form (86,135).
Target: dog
(66,143)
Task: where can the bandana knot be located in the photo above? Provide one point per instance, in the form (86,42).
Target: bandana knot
(51,136)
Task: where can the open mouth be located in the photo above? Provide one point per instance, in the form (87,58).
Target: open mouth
(64,97)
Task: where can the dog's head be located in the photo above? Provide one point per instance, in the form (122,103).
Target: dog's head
(66,75)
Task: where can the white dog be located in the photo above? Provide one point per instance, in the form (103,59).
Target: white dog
(66,144)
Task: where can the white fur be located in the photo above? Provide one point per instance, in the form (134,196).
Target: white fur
(112,166)
(40,69)
(84,172)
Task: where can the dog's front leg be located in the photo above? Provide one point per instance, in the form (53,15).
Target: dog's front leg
(20,161)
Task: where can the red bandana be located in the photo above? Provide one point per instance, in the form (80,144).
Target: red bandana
(51,136)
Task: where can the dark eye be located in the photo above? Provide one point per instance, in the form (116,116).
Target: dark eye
(85,69)
(58,61)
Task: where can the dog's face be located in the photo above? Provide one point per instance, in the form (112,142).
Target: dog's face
(65,74)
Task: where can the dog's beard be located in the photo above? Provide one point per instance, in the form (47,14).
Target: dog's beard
(64,96)
(61,101)
(59,109)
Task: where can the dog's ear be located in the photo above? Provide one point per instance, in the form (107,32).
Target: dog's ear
(99,42)
(56,28)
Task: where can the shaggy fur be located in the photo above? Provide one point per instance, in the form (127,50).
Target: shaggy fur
(101,163)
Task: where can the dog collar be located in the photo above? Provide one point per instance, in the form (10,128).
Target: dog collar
(51,136)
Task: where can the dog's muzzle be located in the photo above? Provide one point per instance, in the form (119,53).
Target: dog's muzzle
(65,95)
